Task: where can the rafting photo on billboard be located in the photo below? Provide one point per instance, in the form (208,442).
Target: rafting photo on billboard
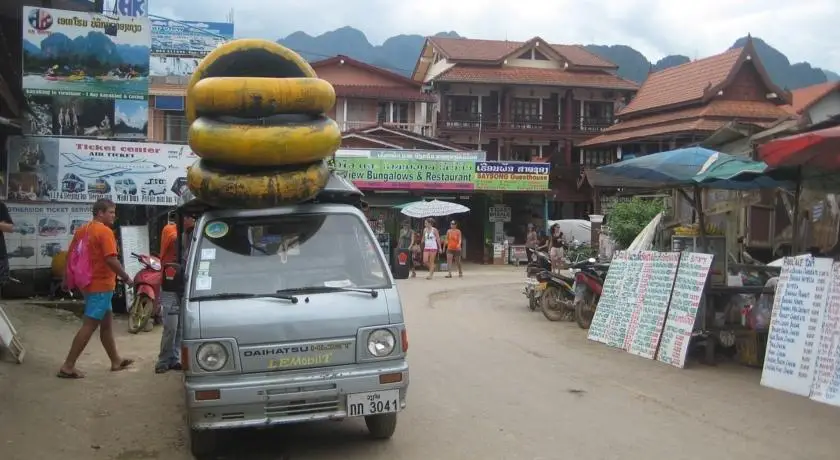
(71,53)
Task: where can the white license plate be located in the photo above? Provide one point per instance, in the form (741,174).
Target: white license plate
(375,402)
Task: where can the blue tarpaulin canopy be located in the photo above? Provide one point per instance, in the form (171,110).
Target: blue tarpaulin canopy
(687,167)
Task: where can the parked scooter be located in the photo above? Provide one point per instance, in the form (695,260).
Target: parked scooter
(146,305)
(589,282)
(538,262)
(557,296)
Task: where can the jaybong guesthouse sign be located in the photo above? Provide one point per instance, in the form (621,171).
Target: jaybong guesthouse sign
(444,171)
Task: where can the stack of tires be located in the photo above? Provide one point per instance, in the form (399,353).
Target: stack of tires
(257,121)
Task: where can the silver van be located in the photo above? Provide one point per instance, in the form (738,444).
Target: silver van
(290,314)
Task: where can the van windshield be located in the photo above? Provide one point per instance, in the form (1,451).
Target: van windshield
(263,255)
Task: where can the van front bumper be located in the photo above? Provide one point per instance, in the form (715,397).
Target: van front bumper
(276,398)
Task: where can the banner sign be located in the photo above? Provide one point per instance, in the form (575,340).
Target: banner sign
(432,170)
(178,46)
(382,174)
(84,170)
(128,7)
(436,155)
(85,74)
(511,176)
(42,231)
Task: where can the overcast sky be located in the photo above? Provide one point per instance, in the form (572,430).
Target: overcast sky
(804,30)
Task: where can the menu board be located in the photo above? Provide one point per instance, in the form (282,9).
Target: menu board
(826,384)
(796,324)
(650,302)
(134,238)
(625,304)
(609,298)
(688,287)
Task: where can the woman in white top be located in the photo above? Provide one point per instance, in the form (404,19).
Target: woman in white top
(431,244)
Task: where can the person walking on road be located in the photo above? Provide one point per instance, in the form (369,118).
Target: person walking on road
(406,241)
(105,267)
(557,248)
(170,340)
(431,244)
(453,249)
(531,242)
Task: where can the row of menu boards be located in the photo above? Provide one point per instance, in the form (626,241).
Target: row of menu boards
(649,303)
(803,347)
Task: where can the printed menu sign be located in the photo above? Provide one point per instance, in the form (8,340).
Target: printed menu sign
(656,279)
(682,310)
(609,298)
(826,385)
(622,313)
(796,324)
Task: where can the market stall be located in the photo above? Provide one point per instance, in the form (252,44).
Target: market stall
(721,299)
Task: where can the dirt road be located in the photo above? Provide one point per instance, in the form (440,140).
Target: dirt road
(489,380)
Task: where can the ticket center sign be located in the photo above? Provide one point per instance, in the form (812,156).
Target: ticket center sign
(511,176)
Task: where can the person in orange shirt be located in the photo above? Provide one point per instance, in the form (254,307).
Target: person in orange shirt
(453,249)
(170,341)
(102,248)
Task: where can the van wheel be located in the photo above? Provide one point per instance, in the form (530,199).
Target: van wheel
(202,443)
(381,426)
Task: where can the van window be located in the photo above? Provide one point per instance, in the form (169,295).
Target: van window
(267,254)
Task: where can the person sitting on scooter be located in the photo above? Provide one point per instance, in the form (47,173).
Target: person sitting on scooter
(170,341)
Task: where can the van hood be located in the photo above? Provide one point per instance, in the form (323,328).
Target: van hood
(273,321)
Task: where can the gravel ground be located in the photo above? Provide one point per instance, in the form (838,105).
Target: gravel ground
(489,380)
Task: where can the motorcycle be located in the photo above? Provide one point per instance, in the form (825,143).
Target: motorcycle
(538,262)
(147,284)
(557,296)
(589,282)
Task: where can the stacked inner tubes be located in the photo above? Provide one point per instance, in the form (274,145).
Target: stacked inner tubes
(257,121)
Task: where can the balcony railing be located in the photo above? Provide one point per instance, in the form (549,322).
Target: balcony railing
(424,129)
(471,121)
(594,124)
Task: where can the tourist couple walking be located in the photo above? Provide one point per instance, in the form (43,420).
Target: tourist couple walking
(425,247)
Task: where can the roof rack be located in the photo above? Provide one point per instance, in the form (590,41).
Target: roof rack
(338,190)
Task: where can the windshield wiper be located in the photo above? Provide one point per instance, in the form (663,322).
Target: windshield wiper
(244,295)
(316,289)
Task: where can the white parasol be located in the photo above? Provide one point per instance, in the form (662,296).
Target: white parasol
(434,208)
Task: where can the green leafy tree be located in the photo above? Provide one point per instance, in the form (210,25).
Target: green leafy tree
(628,218)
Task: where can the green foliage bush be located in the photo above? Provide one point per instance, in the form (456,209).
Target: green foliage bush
(628,218)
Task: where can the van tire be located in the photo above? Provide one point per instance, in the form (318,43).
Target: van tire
(381,426)
(202,443)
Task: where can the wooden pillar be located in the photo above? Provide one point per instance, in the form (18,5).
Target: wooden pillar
(444,110)
(568,153)
(569,104)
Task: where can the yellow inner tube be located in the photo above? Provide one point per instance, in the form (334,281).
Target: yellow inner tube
(257,121)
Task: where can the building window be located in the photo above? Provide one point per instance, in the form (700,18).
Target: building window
(596,158)
(176,127)
(382,112)
(400,112)
(539,56)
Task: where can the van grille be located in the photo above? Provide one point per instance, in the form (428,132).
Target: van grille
(302,407)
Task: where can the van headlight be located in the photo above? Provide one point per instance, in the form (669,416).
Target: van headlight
(381,343)
(211,356)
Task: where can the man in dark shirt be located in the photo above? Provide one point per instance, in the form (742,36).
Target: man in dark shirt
(6,226)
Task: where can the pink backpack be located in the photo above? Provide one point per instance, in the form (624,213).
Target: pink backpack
(79,266)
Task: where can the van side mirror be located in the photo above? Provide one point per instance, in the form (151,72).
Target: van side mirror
(173,278)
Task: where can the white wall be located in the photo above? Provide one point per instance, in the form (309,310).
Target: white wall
(826,108)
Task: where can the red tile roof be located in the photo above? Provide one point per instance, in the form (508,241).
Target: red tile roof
(463,49)
(713,115)
(345,60)
(675,127)
(804,98)
(383,93)
(683,83)
(532,76)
